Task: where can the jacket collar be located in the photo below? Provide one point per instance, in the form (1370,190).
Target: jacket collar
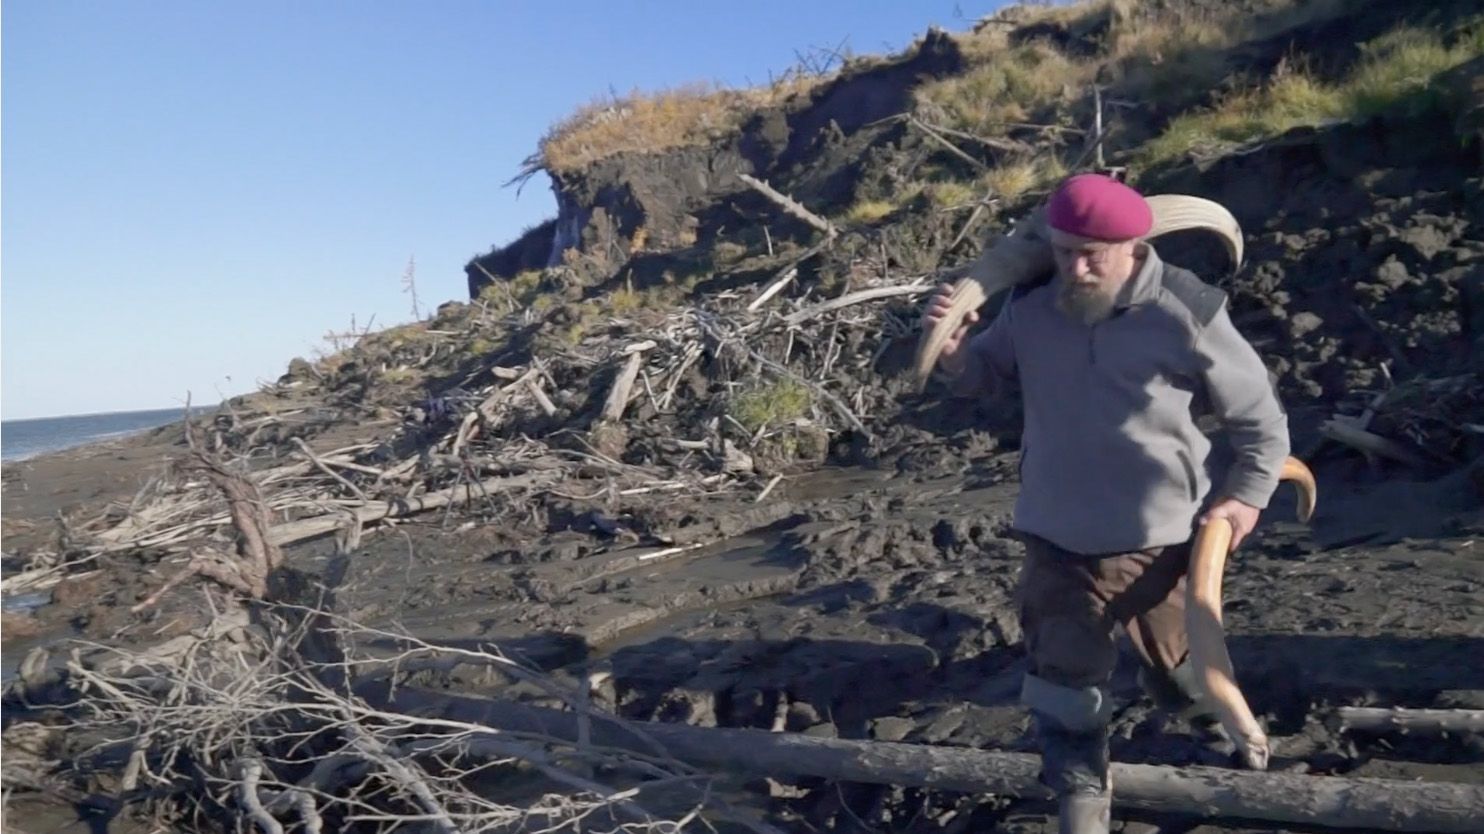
(1143,286)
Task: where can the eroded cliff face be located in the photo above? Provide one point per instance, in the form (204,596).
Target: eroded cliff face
(846,139)
(1364,253)
(664,202)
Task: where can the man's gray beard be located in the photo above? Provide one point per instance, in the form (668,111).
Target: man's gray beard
(1088,306)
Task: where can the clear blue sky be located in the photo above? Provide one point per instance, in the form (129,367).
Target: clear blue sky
(195,192)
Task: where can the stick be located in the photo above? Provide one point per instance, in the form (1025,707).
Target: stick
(670,551)
(541,399)
(252,770)
(308,811)
(1342,432)
(773,288)
(1093,144)
(1007,145)
(692,353)
(352,466)
(297,531)
(954,149)
(618,396)
(1097,121)
(858,297)
(790,205)
(486,409)
(320,465)
(1336,802)
(1419,721)
(968,224)
(767,489)
(623,386)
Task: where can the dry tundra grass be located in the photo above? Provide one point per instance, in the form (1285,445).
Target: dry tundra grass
(694,114)
(1397,69)
(1174,56)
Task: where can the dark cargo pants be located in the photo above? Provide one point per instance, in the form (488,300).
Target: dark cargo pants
(1070,605)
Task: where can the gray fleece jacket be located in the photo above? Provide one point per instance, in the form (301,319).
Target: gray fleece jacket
(1112,459)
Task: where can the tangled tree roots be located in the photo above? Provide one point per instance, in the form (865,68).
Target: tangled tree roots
(255,726)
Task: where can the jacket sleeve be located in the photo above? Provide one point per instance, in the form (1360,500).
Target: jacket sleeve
(990,358)
(1243,396)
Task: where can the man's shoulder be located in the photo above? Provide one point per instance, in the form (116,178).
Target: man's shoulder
(1022,291)
(1186,290)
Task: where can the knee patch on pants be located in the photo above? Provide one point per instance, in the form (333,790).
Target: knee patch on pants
(1076,710)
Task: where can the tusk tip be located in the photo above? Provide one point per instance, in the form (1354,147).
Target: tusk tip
(1308,489)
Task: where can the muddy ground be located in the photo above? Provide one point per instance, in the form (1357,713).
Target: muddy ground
(874,603)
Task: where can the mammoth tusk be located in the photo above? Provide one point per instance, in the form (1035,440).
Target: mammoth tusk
(1024,255)
(1208,654)
(1180,212)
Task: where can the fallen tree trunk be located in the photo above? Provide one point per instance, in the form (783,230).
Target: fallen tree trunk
(1417,721)
(1335,802)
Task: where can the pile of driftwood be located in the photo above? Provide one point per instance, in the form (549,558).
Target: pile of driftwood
(470,450)
(1425,423)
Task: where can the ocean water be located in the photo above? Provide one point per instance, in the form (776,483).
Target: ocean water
(21,439)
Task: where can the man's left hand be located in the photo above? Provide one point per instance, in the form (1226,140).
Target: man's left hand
(1242,517)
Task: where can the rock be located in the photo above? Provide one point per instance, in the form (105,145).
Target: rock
(945,724)
(892,728)
(1392,274)
(800,715)
(1427,240)
(824,730)
(696,708)
(1304,323)
(780,790)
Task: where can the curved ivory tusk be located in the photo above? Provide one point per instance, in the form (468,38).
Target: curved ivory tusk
(1024,255)
(1208,654)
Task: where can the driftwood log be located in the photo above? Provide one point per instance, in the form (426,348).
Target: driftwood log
(623,385)
(1329,801)
(308,528)
(790,205)
(1413,721)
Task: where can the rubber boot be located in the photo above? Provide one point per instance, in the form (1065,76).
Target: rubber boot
(1085,812)
(1074,765)
(1177,693)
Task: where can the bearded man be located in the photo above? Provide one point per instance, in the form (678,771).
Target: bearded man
(1114,356)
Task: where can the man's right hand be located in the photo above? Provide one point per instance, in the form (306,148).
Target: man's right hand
(952,359)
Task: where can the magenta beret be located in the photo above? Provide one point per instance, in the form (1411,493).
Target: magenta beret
(1099,207)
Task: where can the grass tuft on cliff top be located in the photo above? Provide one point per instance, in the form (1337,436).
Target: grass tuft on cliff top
(695,114)
(1396,71)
